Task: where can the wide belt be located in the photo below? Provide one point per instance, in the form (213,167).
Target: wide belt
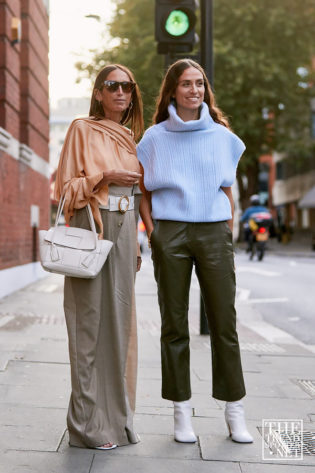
(117,203)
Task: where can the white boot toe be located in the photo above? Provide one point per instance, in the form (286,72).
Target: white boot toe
(185,437)
(235,421)
(183,430)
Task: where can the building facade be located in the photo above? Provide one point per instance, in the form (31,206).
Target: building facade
(24,139)
(294,179)
(66,110)
(289,180)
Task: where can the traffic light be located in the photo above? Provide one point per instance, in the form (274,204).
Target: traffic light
(175,25)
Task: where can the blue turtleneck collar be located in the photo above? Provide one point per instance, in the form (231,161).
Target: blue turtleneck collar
(175,123)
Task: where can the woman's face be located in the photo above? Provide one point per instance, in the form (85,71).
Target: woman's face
(190,91)
(118,101)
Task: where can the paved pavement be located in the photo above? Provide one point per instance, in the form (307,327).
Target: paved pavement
(34,392)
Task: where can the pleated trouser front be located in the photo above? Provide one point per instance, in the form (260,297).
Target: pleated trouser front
(101,323)
(176,247)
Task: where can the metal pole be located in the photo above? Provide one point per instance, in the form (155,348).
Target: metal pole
(206,43)
(167,61)
(203,322)
(206,59)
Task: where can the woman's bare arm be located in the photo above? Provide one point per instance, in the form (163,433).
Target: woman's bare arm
(146,207)
(228,192)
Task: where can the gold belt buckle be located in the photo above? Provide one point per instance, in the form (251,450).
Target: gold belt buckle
(120,203)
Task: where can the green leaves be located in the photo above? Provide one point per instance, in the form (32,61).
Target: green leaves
(258,48)
(259,45)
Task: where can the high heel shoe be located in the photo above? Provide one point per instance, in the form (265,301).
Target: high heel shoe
(235,421)
(183,430)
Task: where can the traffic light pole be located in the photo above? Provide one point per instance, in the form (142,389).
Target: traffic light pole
(206,59)
(206,40)
(169,59)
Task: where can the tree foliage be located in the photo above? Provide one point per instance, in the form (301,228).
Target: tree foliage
(263,74)
(260,48)
(132,30)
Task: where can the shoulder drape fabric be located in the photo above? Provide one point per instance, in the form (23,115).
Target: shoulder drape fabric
(90,148)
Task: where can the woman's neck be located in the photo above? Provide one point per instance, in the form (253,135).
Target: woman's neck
(114,116)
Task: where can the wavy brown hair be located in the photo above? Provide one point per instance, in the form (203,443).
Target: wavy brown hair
(133,114)
(168,88)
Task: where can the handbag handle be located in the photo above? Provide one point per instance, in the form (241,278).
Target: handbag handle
(90,217)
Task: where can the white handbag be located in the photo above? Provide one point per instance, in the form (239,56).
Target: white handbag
(73,251)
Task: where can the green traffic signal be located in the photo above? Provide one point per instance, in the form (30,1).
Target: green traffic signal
(177,23)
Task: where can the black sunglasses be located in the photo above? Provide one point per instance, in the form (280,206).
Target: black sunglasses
(113,85)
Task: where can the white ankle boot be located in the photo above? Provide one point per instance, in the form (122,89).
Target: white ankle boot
(235,421)
(183,430)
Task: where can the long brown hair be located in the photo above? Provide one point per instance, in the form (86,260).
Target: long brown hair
(133,114)
(168,88)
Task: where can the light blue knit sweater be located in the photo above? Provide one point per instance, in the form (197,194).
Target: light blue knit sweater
(186,163)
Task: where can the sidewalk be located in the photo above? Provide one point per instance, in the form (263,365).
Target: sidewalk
(35,385)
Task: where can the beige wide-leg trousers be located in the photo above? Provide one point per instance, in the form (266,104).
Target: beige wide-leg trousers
(101,323)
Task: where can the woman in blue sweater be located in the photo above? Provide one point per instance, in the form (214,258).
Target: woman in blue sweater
(189,159)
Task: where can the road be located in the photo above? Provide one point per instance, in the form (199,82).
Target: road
(282,289)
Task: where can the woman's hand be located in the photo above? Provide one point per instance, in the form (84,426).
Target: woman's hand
(149,233)
(121,177)
(139,261)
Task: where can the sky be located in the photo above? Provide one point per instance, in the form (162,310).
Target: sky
(71,35)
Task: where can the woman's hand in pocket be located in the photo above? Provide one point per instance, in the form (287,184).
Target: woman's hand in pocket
(149,237)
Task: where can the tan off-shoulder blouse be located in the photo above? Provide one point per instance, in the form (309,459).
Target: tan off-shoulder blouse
(90,148)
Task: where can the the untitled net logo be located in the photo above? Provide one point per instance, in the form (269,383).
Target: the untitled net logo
(282,439)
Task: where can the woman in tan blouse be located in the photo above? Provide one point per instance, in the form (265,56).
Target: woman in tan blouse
(98,165)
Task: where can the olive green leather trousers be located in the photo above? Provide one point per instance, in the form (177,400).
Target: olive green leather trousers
(176,247)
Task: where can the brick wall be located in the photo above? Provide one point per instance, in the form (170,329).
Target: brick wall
(34,121)
(24,113)
(9,69)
